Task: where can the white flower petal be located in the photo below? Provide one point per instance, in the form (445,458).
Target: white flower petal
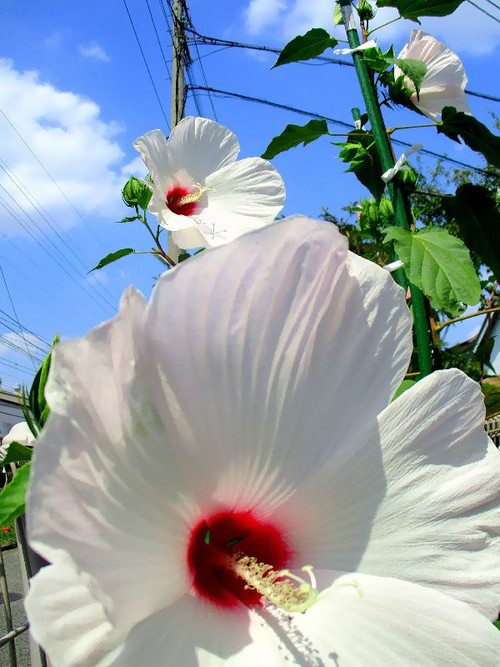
(189,237)
(20,433)
(445,80)
(66,620)
(202,146)
(99,490)
(241,197)
(276,314)
(192,634)
(366,620)
(153,149)
(439,523)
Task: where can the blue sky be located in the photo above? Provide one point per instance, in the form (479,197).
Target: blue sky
(75,93)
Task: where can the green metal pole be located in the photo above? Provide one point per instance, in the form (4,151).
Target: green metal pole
(398,200)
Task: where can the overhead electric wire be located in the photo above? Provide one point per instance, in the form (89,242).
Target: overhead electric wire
(494,4)
(146,64)
(11,301)
(341,123)
(47,217)
(483,10)
(159,40)
(25,329)
(227,44)
(78,213)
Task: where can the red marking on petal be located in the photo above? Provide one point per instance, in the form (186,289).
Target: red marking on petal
(227,534)
(173,200)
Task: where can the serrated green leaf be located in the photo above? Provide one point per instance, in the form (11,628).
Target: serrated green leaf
(415,70)
(404,386)
(305,47)
(17,452)
(412,9)
(361,153)
(475,210)
(472,132)
(13,495)
(439,264)
(293,135)
(113,257)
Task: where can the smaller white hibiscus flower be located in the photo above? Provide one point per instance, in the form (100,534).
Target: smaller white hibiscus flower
(201,194)
(445,80)
(18,433)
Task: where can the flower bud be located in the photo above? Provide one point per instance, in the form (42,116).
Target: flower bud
(136,193)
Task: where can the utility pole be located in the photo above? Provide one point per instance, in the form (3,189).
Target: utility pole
(178,54)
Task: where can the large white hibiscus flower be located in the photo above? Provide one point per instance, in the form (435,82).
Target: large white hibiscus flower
(239,424)
(201,194)
(445,80)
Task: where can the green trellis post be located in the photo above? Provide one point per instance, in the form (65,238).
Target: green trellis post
(399,202)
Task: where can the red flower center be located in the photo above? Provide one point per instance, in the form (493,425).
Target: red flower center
(216,541)
(180,201)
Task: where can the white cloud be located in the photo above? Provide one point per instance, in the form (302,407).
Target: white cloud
(467,30)
(135,167)
(262,13)
(93,51)
(65,132)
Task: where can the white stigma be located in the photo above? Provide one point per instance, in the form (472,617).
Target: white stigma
(279,588)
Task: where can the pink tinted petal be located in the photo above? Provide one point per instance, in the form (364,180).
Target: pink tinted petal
(193,634)
(102,489)
(241,197)
(202,146)
(365,620)
(439,523)
(265,381)
(67,620)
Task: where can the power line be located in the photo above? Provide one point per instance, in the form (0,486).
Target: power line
(49,174)
(159,41)
(146,63)
(16,315)
(493,3)
(483,10)
(341,123)
(227,44)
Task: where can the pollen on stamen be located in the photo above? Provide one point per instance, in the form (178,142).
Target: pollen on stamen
(279,588)
(184,201)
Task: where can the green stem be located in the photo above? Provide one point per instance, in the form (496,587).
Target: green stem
(466,317)
(160,250)
(400,206)
(409,127)
(370,32)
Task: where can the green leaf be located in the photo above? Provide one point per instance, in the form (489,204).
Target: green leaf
(130,219)
(113,257)
(377,60)
(13,495)
(412,9)
(17,452)
(439,264)
(406,384)
(475,210)
(457,124)
(305,47)
(37,403)
(182,257)
(361,152)
(337,13)
(293,135)
(496,624)
(415,70)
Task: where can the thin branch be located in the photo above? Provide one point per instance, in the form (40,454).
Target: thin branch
(466,317)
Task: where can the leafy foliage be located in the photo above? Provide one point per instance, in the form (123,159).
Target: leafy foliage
(439,264)
(39,410)
(13,494)
(378,61)
(455,124)
(476,212)
(305,47)
(412,9)
(17,452)
(113,257)
(361,153)
(293,135)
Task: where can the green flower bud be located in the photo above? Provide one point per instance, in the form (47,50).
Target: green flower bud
(365,10)
(136,193)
